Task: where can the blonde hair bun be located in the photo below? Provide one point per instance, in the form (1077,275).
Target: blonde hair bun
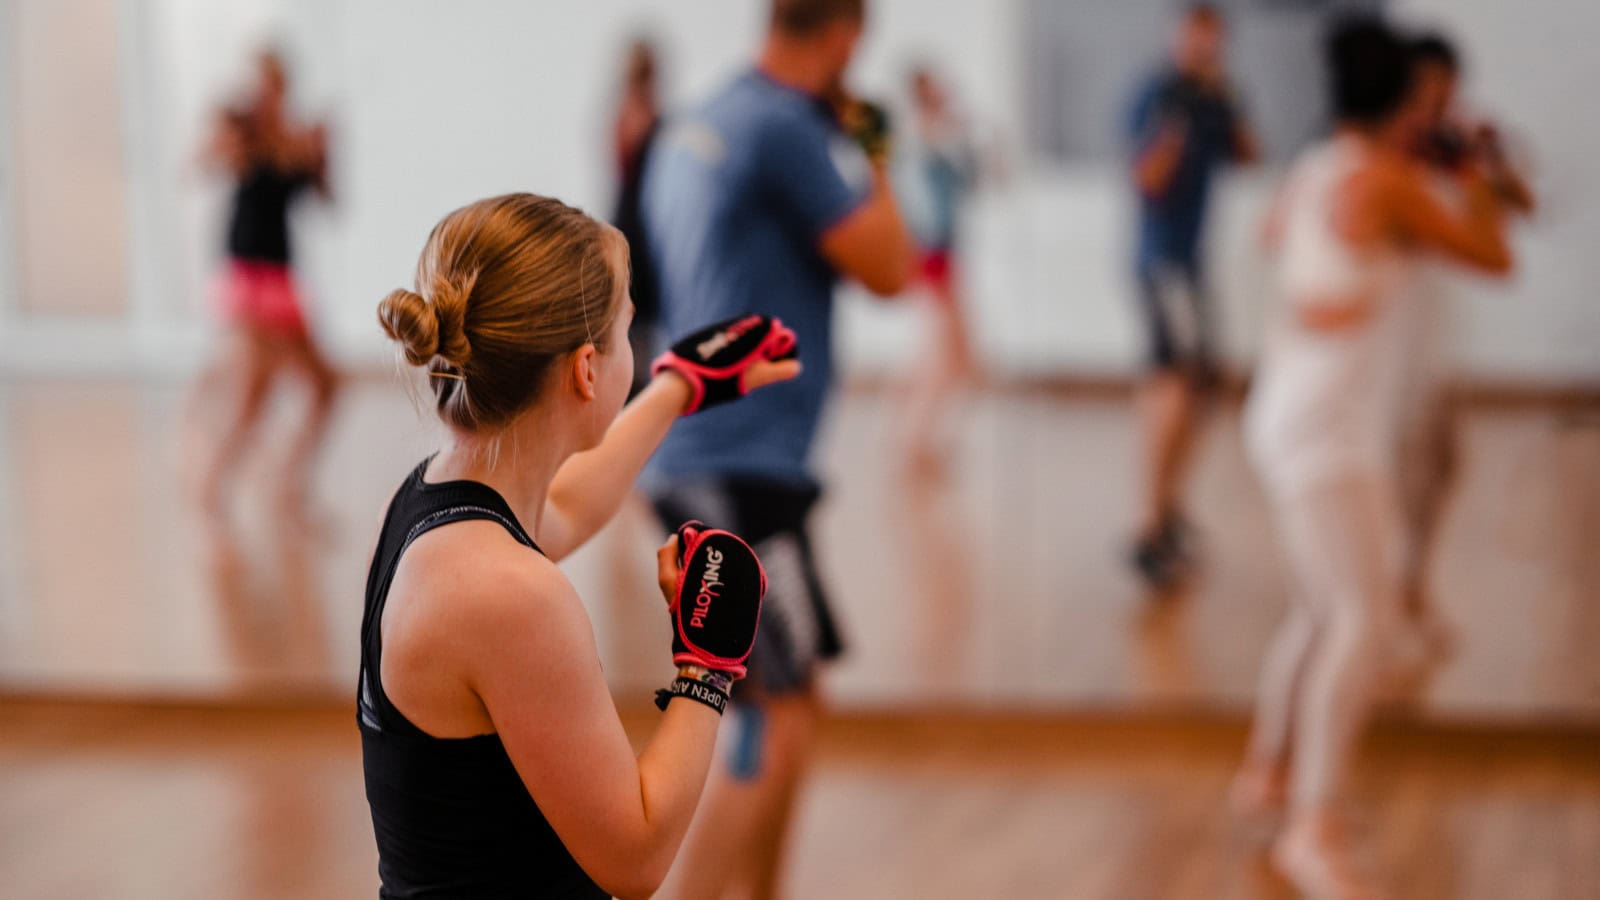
(504,288)
(410,321)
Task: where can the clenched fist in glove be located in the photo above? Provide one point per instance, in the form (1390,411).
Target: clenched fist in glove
(722,362)
(714,584)
(867,124)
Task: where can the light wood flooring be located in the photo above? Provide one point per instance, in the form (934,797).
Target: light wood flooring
(1001,588)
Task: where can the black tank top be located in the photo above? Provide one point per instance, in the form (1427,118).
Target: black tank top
(644,288)
(259,228)
(451,816)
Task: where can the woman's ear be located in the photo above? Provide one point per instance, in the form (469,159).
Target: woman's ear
(584,375)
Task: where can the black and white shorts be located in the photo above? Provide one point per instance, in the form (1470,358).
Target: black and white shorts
(1177,317)
(797,631)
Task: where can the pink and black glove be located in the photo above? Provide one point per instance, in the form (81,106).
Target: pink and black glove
(714,613)
(715,360)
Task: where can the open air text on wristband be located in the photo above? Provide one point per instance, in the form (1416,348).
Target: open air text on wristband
(693,689)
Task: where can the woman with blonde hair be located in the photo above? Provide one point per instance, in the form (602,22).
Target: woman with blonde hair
(495,762)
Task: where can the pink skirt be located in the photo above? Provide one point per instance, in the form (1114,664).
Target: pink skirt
(260,295)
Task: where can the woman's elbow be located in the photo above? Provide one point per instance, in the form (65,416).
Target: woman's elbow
(893,272)
(1498,262)
(889,284)
(634,878)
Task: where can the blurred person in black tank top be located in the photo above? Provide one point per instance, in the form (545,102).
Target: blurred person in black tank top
(495,762)
(634,130)
(273,161)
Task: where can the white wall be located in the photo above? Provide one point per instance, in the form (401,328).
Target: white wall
(69,191)
(436,104)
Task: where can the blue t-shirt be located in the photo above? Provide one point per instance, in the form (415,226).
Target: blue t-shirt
(947,176)
(1169,225)
(737,195)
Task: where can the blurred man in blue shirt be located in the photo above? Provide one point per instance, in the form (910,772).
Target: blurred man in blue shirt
(757,201)
(1183,126)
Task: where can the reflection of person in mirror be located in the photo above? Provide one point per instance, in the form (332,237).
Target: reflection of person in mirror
(941,163)
(1347,230)
(1428,421)
(1186,124)
(273,160)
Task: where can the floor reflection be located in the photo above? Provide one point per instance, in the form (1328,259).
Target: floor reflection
(270,601)
(1000,583)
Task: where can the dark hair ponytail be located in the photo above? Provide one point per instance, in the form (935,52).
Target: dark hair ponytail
(1369,70)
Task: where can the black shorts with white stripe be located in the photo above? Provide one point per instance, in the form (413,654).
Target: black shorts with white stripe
(798,631)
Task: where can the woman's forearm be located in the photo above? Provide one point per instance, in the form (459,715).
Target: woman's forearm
(673,768)
(672,774)
(1158,163)
(1486,222)
(590,488)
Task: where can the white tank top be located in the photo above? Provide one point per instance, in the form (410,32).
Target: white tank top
(1325,401)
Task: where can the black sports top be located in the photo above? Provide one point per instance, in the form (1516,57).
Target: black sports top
(258,230)
(644,288)
(451,816)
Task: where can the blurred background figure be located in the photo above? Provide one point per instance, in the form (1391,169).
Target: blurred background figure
(633,132)
(758,200)
(1348,229)
(1185,123)
(1429,421)
(273,160)
(941,165)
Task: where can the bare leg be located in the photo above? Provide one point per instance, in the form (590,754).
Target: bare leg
(252,367)
(196,444)
(1169,405)
(300,354)
(947,367)
(1434,466)
(740,832)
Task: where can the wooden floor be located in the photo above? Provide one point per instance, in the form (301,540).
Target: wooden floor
(135,802)
(1001,589)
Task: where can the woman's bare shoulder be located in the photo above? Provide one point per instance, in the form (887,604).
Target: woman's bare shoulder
(472,580)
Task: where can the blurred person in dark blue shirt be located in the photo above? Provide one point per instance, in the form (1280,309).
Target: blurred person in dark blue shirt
(757,201)
(1183,125)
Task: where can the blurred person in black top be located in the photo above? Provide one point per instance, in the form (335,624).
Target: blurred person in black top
(273,161)
(638,120)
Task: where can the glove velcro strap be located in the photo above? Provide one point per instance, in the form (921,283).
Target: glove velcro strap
(694,689)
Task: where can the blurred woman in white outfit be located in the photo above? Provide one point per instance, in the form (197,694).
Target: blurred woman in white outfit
(1429,436)
(1353,219)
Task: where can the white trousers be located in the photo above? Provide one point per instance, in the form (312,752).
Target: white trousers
(1342,534)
